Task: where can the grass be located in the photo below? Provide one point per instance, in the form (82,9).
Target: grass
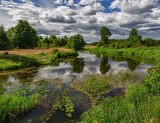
(145,53)
(64,54)
(14,62)
(96,85)
(13,105)
(120,109)
(33,58)
(138,106)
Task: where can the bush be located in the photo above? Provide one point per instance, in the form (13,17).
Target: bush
(76,42)
(64,55)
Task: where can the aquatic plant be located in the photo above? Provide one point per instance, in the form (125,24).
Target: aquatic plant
(63,103)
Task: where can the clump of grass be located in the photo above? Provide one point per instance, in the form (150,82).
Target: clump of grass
(2,89)
(13,105)
(92,86)
(123,79)
(96,85)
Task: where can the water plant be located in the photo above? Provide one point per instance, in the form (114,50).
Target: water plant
(62,102)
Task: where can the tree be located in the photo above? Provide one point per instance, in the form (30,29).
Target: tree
(133,32)
(134,39)
(53,40)
(149,42)
(105,34)
(3,39)
(63,41)
(76,42)
(23,35)
(11,35)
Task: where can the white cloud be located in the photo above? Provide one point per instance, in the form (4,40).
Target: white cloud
(54,18)
(87,2)
(134,6)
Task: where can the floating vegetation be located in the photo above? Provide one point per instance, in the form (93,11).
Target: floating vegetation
(63,103)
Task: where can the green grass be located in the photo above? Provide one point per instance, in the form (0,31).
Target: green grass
(141,104)
(64,55)
(95,85)
(144,53)
(121,110)
(12,62)
(13,105)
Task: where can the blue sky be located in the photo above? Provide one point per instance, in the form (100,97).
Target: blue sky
(68,17)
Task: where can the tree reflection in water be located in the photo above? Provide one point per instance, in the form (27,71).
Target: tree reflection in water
(78,65)
(104,66)
(132,64)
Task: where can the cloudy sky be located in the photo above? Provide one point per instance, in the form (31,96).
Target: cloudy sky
(67,17)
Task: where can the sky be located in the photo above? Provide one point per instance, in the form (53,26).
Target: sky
(69,17)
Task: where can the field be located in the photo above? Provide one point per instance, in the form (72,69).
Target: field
(25,52)
(15,59)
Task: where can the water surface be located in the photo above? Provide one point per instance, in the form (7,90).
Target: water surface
(57,77)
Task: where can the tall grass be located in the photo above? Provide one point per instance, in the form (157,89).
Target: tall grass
(96,85)
(143,53)
(11,62)
(141,104)
(13,105)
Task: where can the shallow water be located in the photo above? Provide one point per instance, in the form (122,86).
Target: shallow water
(56,78)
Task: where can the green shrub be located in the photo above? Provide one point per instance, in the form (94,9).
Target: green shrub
(65,55)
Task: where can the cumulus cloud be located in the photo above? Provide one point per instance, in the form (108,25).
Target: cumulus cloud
(134,6)
(68,17)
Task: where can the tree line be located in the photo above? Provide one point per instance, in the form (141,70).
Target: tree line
(24,36)
(134,40)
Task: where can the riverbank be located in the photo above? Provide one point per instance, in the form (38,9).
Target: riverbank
(141,103)
(144,53)
(16,59)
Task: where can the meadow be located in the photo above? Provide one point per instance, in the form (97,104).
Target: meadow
(16,59)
